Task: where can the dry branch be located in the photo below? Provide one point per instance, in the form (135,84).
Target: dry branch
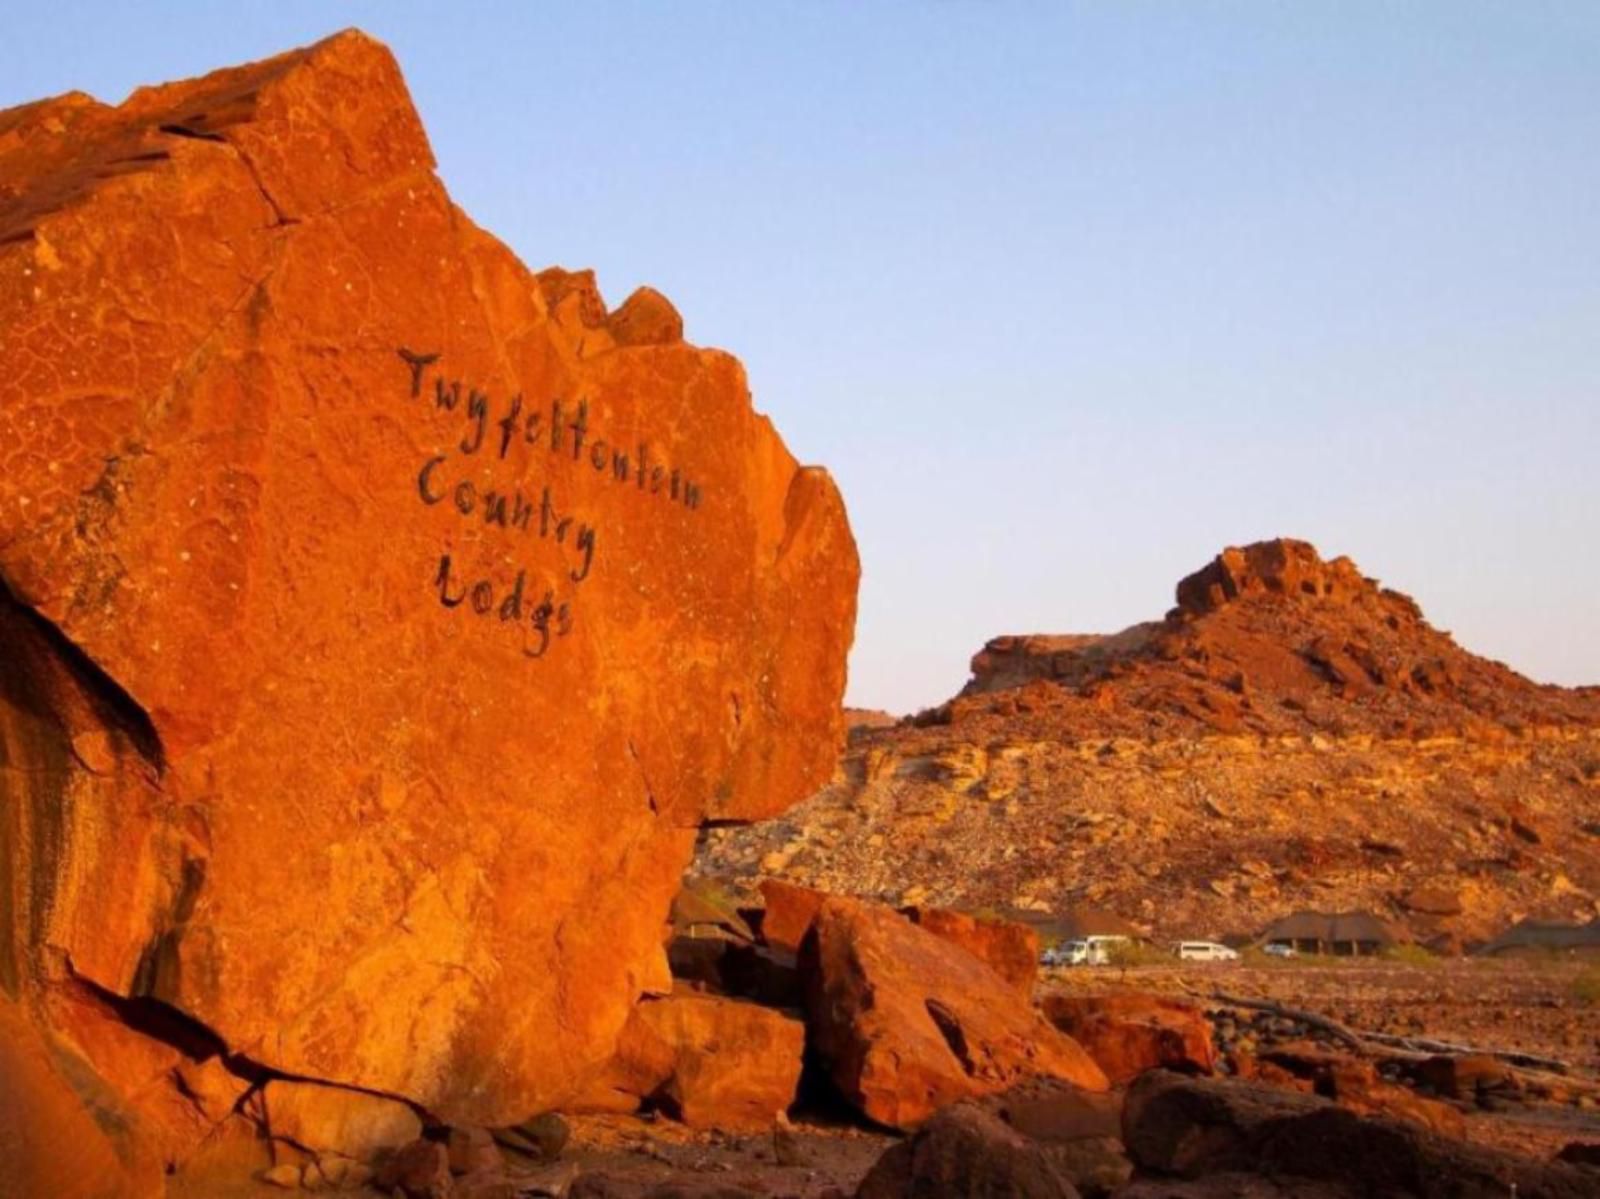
(1532,1067)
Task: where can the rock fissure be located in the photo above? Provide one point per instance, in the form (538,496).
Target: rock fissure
(112,703)
(185,131)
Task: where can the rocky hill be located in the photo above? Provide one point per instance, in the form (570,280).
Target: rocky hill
(1291,734)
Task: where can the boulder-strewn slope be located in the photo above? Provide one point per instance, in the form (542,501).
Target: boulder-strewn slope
(378,620)
(1290,735)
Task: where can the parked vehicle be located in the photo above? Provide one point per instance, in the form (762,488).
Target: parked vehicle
(1204,951)
(1085,951)
(1280,949)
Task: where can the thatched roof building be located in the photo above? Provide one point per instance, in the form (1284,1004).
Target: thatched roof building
(1546,936)
(1345,934)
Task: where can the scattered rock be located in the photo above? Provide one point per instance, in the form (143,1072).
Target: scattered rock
(345,1175)
(1433,899)
(473,1151)
(1466,1077)
(287,1176)
(1038,1134)
(1354,1084)
(543,1137)
(967,1150)
(1201,1127)
(553,1181)
(1582,1153)
(420,1170)
(786,1148)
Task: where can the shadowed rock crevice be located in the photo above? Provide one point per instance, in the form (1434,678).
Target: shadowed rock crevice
(198,135)
(950,1029)
(34,653)
(162,1022)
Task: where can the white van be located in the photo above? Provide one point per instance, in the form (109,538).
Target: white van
(1204,951)
(1089,951)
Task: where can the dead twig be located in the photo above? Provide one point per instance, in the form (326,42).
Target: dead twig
(1530,1067)
(1433,1048)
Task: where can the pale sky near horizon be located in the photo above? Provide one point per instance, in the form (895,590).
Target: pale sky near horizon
(1067,296)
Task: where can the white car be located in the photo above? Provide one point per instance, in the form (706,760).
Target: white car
(1280,949)
(1204,951)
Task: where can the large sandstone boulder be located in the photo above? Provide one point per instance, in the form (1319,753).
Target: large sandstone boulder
(1130,1033)
(378,620)
(967,1150)
(789,912)
(908,1023)
(1200,1128)
(1039,1139)
(336,1120)
(710,1061)
(735,1065)
(1010,949)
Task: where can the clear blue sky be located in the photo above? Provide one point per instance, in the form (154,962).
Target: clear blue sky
(1068,296)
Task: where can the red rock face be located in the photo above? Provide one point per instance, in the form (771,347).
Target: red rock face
(388,617)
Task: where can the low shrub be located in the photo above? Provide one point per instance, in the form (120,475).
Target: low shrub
(1586,987)
(1137,953)
(1411,955)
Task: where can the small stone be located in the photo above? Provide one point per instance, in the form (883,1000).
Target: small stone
(489,1184)
(473,1151)
(786,1148)
(356,1176)
(333,1170)
(286,1176)
(337,1121)
(420,1170)
(549,1134)
(552,1182)
(1583,1153)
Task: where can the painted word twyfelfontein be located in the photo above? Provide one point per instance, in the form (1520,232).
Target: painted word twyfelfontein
(380,621)
(538,613)
(546,613)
